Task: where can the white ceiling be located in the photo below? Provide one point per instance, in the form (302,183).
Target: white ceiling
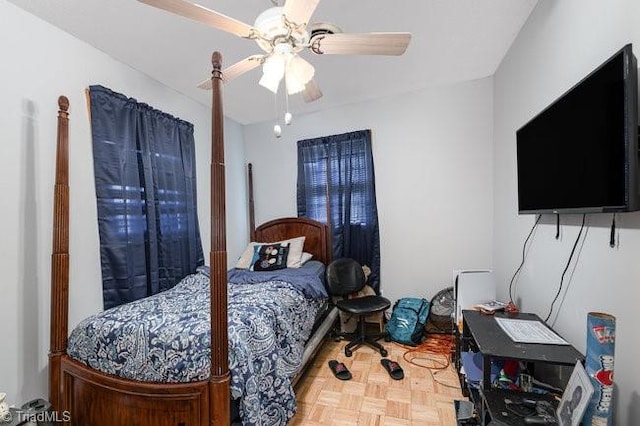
(452,40)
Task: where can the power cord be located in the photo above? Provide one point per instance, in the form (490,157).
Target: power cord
(524,250)
(612,237)
(575,244)
(434,354)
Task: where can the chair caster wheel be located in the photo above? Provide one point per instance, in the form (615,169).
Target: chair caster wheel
(348,352)
(384,353)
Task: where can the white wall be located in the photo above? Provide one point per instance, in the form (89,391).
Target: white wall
(432,156)
(561,43)
(39,63)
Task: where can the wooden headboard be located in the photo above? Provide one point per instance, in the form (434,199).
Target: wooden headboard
(317,241)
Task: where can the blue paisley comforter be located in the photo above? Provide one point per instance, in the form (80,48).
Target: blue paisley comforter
(166,337)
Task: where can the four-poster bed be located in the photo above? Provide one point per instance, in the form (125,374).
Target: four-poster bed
(93,397)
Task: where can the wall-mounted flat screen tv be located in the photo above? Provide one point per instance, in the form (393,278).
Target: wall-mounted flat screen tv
(580,154)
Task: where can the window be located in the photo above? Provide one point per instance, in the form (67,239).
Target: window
(144,165)
(336,185)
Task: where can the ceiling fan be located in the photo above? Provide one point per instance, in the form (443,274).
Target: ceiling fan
(282,32)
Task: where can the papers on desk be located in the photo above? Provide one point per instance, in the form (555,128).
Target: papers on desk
(491,306)
(529,331)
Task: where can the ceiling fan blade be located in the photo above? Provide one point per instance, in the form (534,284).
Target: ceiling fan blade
(205,84)
(311,92)
(299,11)
(235,70)
(239,68)
(361,44)
(204,15)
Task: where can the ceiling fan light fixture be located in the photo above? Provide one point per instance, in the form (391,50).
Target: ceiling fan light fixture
(273,69)
(293,85)
(269,82)
(298,73)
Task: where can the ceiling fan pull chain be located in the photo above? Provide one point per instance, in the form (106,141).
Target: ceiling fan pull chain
(277,130)
(287,114)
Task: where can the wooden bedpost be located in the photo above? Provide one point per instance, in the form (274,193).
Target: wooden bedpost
(219,391)
(252,212)
(60,257)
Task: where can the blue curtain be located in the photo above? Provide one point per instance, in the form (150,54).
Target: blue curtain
(144,166)
(336,185)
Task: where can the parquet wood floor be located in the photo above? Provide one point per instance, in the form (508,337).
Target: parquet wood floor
(371,397)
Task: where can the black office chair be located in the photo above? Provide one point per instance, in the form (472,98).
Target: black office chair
(344,277)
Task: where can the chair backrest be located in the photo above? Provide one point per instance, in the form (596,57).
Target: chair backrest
(345,276)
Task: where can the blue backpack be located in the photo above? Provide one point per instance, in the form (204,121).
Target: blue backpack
(407,321)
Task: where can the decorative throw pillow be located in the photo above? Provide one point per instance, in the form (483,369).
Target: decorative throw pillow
(269,257)
(293,258)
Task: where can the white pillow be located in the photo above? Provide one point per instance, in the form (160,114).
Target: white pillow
(294,259)
(305,257)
